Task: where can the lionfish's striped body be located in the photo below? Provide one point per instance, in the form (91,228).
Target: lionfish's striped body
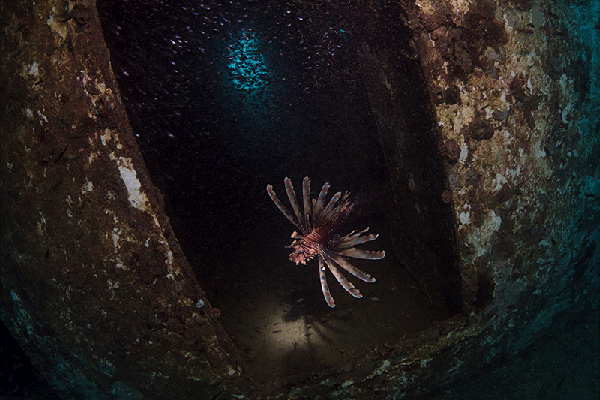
(318,224)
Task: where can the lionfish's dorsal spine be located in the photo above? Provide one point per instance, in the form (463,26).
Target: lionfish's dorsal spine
(306,222)
(320,203)
(289,189)
(326,213)
(282,208)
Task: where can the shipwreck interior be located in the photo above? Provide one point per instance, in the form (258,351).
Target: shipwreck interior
(227,98)
(142,256)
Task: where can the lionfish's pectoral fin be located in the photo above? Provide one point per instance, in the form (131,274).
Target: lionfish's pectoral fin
(341,279)
(354,239)
(351,268)
(324,285)
(364,254)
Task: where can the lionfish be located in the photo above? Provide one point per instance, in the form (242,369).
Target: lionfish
(318,224)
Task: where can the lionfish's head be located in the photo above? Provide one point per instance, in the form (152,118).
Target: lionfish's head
(302,254)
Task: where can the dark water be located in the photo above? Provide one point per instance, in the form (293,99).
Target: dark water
(227,98)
